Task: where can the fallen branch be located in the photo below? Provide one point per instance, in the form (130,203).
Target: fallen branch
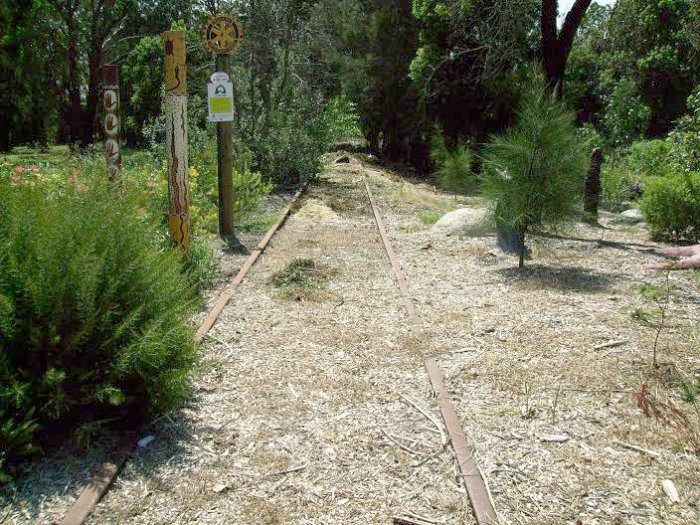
(612,344)
(397,443)
(638,449)
(412,519)
(443,438)
(288,471)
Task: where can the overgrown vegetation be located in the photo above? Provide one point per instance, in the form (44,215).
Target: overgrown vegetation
(94,311)
(453,166)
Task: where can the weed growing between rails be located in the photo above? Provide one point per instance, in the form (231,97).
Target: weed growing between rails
(303,280)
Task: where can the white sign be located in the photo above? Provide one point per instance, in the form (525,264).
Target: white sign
(220,95)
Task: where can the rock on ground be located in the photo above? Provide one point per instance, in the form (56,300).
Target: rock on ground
(633,216)
(467,221)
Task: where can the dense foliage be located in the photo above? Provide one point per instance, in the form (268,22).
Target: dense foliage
(94,311)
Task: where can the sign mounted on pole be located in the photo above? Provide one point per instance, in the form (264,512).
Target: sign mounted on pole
(110,98)
(222,34)
(220,95)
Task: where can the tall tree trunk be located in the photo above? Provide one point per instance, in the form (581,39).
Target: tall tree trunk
(93,97)
(75,121)
(555,48)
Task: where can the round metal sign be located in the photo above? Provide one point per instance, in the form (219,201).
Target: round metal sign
(222,34)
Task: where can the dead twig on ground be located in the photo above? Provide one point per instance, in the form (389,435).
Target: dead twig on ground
(637,449)
(443,437)
(612,344)
(399,444)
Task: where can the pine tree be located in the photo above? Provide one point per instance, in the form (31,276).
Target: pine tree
(533,174)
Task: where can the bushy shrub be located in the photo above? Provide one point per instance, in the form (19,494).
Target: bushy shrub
(671,207)
(533,173)
(94,311)
(626,170)
(453,166)
(618,184)
(626,115)
(649,158)
(341,122)
(291,148)
(684,140)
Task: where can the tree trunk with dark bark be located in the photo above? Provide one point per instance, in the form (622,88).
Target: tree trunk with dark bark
(75,120)
(93,96)
(556,46)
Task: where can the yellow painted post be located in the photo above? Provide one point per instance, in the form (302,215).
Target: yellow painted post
(176,137)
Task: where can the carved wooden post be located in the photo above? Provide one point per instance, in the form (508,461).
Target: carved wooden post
(110,94)
(176,137)
(592,193)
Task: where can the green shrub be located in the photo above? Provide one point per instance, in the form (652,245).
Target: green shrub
(533,174)
(626,115)
(454,166)
(618,184)
(625,172)
(671,207)
(684,140)
(649,158)
(94,311)
(291,148)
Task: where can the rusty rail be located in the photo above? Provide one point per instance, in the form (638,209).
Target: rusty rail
(101,482)
(225,297)
(474,483)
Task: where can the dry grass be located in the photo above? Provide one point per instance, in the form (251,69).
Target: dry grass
(522,355)
(299,420)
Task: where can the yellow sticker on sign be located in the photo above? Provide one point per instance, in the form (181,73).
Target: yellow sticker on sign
(220,105)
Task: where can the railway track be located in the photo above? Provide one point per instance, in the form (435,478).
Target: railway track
(479,497)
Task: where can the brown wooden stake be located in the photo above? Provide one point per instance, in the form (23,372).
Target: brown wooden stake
(592,192)
(224,134)
(112,128)
(176,140)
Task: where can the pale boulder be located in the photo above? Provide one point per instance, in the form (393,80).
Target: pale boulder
(465,221)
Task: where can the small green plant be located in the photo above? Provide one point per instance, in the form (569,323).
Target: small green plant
(556,400)
(454,166)
(671,207)
(302,280)
(533,173)
(691,390)
(661,297)
(527,410)
(429,217)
